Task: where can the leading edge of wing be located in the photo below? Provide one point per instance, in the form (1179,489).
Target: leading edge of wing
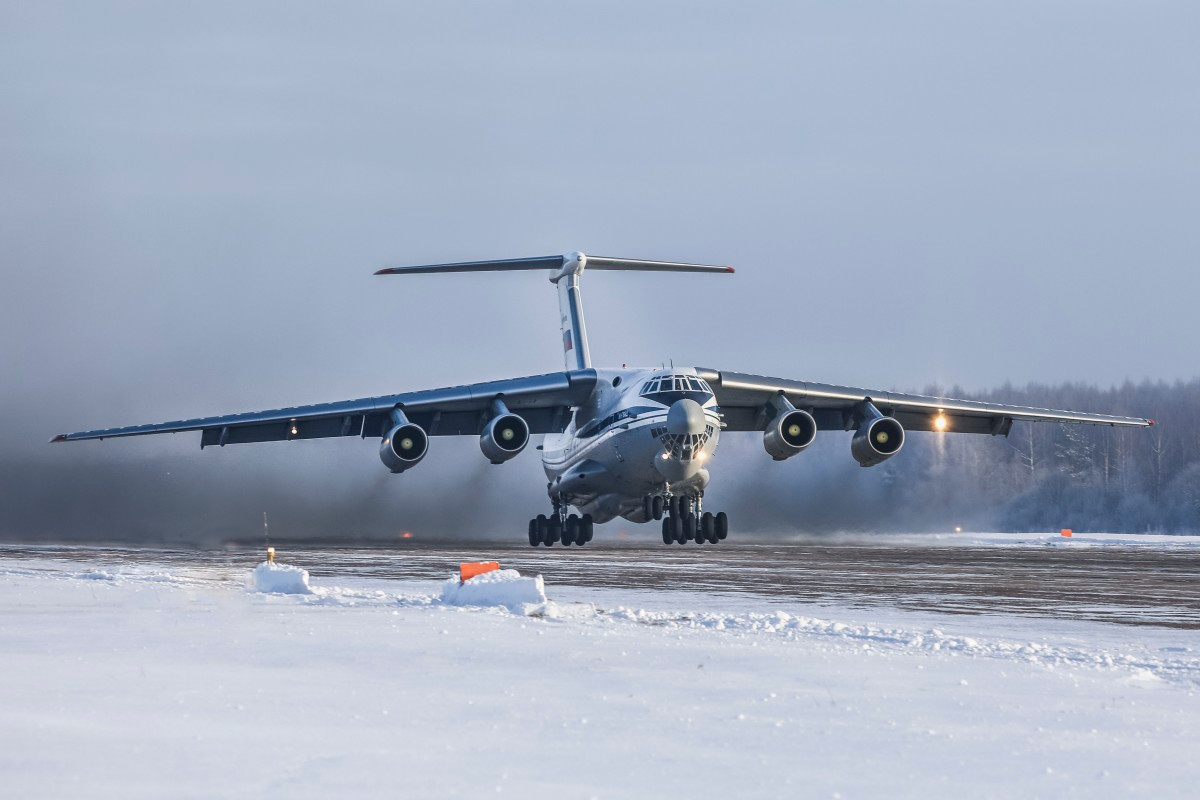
(740,389)
(518,393)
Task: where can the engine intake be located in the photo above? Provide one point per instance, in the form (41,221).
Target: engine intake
(404,445)
(877,439)
(505,435)
(789,434)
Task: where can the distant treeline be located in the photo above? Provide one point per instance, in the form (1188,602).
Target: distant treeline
(1042,477)
(1045,476)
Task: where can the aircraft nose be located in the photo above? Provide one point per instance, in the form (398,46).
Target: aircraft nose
(685,417)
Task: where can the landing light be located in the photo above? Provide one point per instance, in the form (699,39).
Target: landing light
(939,423)
(295,430)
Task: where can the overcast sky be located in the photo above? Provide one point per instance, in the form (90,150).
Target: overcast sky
(192,199)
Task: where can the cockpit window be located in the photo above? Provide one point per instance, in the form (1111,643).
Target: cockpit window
(670,388)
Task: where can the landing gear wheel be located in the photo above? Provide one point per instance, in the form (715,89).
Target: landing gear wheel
(570,531)
(668,534)
(656,506)
(689,527)
(587,528)
(676,529)
(534,538)
(708,529)
(553,532)
(542,526)
(648,507)
(722,525)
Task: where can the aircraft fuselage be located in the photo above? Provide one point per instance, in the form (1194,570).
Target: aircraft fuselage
(641,431)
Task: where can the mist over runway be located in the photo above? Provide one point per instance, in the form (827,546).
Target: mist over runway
(1150,582)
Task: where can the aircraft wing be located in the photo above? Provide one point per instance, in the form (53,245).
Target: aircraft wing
(744,401)
(543,401)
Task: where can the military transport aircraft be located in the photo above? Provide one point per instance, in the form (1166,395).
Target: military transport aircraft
(635,443)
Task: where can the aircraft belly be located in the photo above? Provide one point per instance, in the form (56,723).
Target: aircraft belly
(610,474)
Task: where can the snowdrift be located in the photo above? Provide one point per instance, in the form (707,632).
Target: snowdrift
(279,579)
(502,587)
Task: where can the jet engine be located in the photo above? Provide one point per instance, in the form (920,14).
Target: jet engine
(403,447)
(789,433)
(877,439)
(504,436)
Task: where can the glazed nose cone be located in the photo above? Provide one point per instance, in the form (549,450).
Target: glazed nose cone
(685,417)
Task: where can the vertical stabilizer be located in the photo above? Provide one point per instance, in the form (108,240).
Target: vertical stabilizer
(570,311)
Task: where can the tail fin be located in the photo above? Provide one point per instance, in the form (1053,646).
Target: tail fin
(565,272)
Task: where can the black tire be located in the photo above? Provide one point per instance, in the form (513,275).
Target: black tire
(668,534)
(587,526)
(689,527)
(553,531)
(648,507)
(534,539)
(708,528)
(677,529)
(722,524)
(570,531)
(543,526)
(656,506)
(672,508)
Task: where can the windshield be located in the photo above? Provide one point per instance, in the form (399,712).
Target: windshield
(667,389)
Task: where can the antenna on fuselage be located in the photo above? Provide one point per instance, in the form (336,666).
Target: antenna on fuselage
(570,303)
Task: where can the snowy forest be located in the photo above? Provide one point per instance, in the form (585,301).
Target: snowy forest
(1045,476)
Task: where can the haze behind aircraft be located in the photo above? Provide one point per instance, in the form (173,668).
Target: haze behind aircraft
(635,443)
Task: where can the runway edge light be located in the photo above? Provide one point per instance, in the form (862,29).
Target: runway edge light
(1066,532)
(469,569)
(271,555)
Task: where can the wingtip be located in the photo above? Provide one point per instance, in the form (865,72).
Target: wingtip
(62,437)
(730,269)
(1151,423)
(384,271)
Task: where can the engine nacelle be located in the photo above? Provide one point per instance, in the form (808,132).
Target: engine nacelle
(789,433)
(403,447)
(504,437)
(877,439)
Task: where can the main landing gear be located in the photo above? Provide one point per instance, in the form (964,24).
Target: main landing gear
(683,519)
(560,527)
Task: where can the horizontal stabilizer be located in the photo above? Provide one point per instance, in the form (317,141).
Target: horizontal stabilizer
(555,263)
(539,262)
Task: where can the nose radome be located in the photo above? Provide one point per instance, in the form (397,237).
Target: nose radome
(685,417)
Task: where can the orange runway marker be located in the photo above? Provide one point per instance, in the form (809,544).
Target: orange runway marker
(469,569)
(1066,532)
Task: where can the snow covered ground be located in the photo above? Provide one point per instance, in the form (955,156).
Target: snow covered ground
(156,680)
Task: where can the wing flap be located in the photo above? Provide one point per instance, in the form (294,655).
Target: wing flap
(743,397)
(544,401)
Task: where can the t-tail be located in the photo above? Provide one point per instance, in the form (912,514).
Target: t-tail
(565,272)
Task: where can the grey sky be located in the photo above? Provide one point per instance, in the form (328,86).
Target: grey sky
(193,199)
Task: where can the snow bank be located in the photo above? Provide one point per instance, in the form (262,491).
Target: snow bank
(279,578)
(502,587)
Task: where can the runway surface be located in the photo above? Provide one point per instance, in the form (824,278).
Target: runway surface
(1125,580)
